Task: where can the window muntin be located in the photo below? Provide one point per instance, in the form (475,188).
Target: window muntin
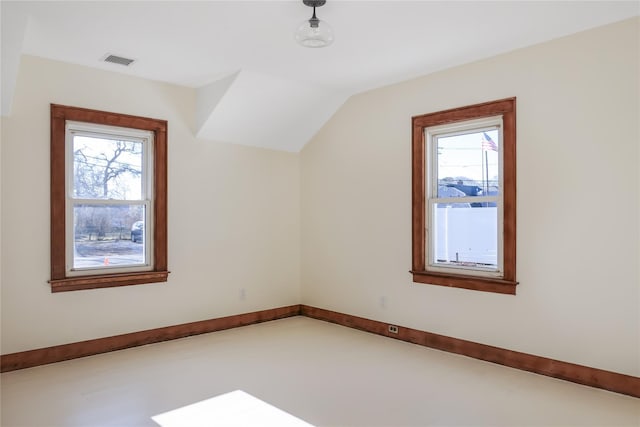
(109,189)
(482,271)
(140,197)
(464,198)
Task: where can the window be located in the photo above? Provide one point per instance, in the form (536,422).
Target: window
(108,199)
(464,197)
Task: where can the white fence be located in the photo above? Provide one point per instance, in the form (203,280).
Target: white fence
(466,234)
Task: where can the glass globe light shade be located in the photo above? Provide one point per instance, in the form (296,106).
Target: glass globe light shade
(314,33)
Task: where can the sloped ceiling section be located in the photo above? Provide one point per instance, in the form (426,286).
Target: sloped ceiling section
(259,110)
(208,97)
(12,32)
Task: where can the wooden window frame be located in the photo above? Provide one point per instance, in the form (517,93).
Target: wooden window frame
(60,282)
(506,284)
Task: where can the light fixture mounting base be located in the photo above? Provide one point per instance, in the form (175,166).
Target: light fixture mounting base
(314,3)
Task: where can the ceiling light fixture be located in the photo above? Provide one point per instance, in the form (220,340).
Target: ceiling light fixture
(314,32)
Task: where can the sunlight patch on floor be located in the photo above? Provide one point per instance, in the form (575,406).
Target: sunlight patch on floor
(236,408)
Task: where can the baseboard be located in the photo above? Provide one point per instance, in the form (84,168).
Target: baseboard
(593,377)
(58,353)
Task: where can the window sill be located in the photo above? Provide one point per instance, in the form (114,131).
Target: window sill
(107,281)
(475,283)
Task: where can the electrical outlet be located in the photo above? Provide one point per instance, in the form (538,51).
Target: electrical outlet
(243,294)
(393,329)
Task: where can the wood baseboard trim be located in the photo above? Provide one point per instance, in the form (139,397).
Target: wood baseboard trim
(593,377)
(58,353)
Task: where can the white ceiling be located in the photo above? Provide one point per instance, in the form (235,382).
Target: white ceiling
(243,61)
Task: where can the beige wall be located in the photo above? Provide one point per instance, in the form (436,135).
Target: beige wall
(233,217)
(236,213)
(578,192)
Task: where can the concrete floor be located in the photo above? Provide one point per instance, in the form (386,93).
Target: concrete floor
(323,374)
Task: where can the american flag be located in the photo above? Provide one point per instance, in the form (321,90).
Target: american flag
(488,143)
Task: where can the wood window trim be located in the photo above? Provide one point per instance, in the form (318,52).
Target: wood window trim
(60,282)
(507,283)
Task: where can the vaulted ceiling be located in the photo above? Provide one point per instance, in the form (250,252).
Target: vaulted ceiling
(242,59)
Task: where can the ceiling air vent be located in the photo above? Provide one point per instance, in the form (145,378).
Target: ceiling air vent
(118,60)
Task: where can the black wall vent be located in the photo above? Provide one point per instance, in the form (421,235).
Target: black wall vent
(118,60)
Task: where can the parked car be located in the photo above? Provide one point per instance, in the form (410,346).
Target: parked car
(137,231)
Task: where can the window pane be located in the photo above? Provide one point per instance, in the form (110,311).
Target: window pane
(108,236)
(465,236)
(467,165)
(107,168)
